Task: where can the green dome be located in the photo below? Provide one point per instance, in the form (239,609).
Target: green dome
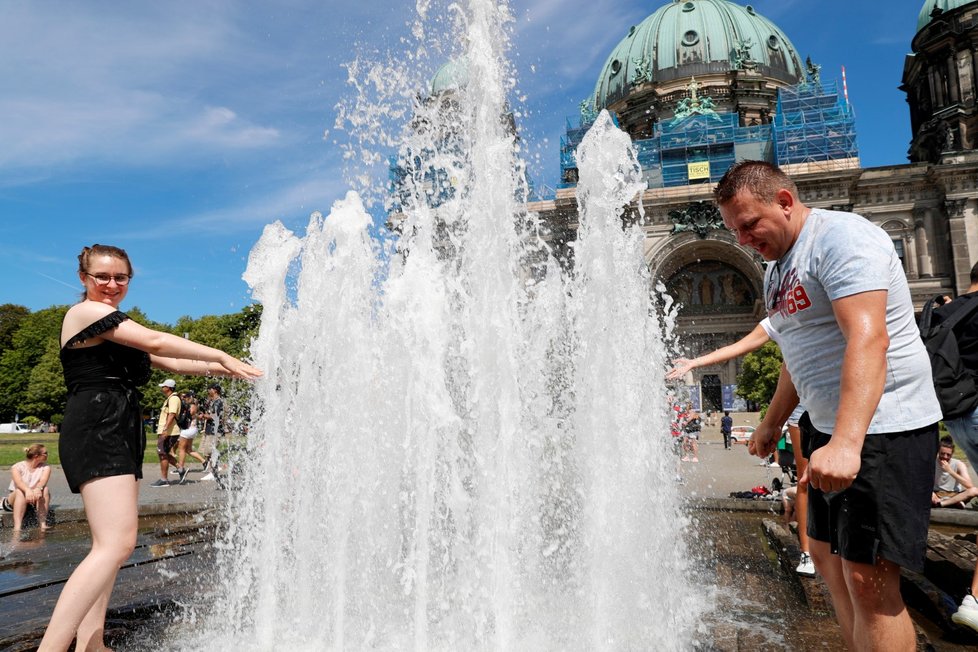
(923,20)
(687,38)
(453,76)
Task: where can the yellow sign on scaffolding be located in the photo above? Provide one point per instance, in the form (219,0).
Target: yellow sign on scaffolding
(699,170)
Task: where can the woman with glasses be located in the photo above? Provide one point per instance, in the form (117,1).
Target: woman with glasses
(106,357)
(29,487)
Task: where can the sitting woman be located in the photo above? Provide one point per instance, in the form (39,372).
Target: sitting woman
(29,487)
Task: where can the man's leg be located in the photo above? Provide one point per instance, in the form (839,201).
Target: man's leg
(163,444)
(880,619)
(829,567)
(960,497)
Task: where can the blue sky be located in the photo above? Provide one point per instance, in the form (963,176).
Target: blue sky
(177,130)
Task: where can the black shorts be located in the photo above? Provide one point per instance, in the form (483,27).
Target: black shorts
(886,511)
(102,435)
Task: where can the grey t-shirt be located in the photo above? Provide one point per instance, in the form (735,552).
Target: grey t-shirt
(945,481)
(838,255)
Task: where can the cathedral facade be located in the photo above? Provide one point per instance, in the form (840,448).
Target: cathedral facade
(700,84)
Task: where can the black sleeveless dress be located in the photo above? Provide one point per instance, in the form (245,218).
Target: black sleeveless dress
(102,434)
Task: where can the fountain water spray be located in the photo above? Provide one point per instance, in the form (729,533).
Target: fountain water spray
(468,449)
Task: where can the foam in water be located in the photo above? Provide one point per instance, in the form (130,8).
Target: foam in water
(464,446)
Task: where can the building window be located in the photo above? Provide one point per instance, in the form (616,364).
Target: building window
(898,245)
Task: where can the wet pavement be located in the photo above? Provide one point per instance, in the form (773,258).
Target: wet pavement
(758,604)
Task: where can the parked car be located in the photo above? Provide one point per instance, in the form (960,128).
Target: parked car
(8,428)
(741,434)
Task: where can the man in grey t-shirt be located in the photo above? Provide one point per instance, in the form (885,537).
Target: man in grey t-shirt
(836,294)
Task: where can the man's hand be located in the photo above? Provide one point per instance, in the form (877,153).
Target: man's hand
(945,465)
(763,441)
(833,467)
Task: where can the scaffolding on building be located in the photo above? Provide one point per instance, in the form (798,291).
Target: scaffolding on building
(813,126)
(699,149)
(814,123)
(574,134)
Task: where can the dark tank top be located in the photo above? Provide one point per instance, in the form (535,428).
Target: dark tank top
(106,364)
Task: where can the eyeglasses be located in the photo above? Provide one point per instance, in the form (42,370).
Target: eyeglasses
(774,288)
(103,279)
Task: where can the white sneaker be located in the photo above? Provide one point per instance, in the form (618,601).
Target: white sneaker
(207,478)
(967,613)
(806,567)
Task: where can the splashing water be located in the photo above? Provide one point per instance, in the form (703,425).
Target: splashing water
(467,450)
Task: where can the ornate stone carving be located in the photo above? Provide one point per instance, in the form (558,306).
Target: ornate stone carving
(694,104)
(955,207)
(643,71)
(934,137)
(700,217)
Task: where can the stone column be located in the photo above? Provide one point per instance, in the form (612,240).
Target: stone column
(962,218)
(922,245)
(952,80)
(910,243)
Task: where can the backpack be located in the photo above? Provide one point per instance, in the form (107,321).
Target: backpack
(183,417)
(954,384)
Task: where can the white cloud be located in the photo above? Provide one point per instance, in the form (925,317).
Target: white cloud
(292,203)
(134,84)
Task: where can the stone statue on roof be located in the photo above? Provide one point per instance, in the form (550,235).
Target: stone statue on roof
(588,114)
(813,72)
(643,71)
(694,104)
(742,57)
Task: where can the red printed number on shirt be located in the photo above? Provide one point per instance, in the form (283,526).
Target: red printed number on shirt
(797,300)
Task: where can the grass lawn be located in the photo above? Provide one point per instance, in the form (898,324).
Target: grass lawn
(12,447)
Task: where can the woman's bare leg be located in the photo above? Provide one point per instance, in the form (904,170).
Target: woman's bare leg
(111,508)
(42,507)
(19,502)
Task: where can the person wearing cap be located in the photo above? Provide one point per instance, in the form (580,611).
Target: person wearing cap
(167,430)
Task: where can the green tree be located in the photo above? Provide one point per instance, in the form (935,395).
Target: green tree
(46,390)
(759,374)
(10,317)
(28,345)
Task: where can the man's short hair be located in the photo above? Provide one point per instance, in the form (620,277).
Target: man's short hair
(947,442)
(216,388)
(974,274)
(760,178)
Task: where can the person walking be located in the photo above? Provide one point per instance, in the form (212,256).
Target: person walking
(835,285)
(106,357)
(726,428)
(167,431)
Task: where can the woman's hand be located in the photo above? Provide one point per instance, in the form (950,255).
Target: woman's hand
(237,369)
